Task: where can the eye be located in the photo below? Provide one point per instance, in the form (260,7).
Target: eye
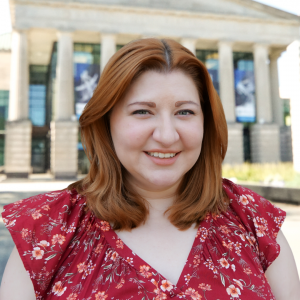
(185,112)
(141,112)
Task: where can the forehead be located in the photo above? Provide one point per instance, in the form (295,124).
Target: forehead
(154,86)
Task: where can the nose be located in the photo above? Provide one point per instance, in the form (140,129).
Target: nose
(165,131)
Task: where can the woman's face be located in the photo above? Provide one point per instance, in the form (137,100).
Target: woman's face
(157,129)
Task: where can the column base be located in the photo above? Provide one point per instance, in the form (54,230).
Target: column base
(65,176)
(286,149)
(235,149)
(64,153)
(17,175)
(265,146)
(17,155)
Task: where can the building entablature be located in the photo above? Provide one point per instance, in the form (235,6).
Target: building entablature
(243,21)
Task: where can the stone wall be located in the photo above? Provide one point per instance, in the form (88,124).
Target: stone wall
(286,152)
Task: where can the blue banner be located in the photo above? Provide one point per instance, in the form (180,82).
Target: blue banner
(244,96)
(86,77)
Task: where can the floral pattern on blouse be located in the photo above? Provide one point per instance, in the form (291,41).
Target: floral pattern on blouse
(70,254)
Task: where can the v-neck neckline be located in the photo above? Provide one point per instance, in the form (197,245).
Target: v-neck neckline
(137,262)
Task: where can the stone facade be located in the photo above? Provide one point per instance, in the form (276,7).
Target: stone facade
(286,151)
(265,146)
(64,154)
(222,25)
(18,148)
(235,153)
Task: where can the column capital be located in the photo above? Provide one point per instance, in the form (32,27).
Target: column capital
(109,35)
(257,46)
(226,42)
(189,39)
(189,43)
(21,30)
(60,33)
(275,54)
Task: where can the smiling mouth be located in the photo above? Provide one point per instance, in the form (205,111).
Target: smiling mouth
(162,155)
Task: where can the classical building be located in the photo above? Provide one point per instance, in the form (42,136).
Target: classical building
(52,61)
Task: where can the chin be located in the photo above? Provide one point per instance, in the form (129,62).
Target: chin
(162,183)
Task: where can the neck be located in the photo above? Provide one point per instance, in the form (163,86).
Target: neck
(159,201)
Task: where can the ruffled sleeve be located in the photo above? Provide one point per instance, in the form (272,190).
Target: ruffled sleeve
(260,217)
(42,227)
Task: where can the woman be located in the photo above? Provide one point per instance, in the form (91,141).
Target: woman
(153,218)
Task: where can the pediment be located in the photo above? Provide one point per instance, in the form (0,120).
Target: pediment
(242,8)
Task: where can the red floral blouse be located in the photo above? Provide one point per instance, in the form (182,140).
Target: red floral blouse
(70,254)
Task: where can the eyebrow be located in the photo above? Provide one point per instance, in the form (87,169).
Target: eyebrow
(152,104)
(179,103)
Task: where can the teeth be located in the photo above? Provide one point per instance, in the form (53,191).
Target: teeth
(161,155)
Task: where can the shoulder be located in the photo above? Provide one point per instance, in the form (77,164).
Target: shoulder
(246,201)
(42,227)
(260,217)
(40,207)
(42,218)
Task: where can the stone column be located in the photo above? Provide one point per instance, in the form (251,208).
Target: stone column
(264,135)
(64,127)
(262,83)
(108,49)
(277,104)
(190,44)
(18,127)
(226,78)
(293,52)
(235,149)
(235,153)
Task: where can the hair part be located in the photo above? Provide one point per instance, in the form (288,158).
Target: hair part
(108,194)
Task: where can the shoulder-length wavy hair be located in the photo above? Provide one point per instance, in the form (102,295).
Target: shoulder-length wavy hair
(107,192)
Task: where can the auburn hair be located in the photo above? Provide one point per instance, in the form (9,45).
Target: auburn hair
(108,194)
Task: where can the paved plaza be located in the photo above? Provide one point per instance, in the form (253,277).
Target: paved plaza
(11,191)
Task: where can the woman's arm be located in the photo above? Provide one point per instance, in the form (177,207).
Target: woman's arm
(16,283)
(282,273)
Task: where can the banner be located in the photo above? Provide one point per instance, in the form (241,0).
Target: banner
(244,96)
(86,77)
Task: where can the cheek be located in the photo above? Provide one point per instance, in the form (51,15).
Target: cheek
(128,135)
(192,136)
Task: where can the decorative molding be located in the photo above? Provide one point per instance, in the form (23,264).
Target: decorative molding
(155,11)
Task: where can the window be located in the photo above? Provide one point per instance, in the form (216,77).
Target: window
(37,94)
(4,98)
(210,58)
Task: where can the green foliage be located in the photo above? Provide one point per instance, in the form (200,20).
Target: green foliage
(264,173)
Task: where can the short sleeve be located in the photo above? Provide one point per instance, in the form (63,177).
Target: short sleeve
(42,226)
(260,217)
